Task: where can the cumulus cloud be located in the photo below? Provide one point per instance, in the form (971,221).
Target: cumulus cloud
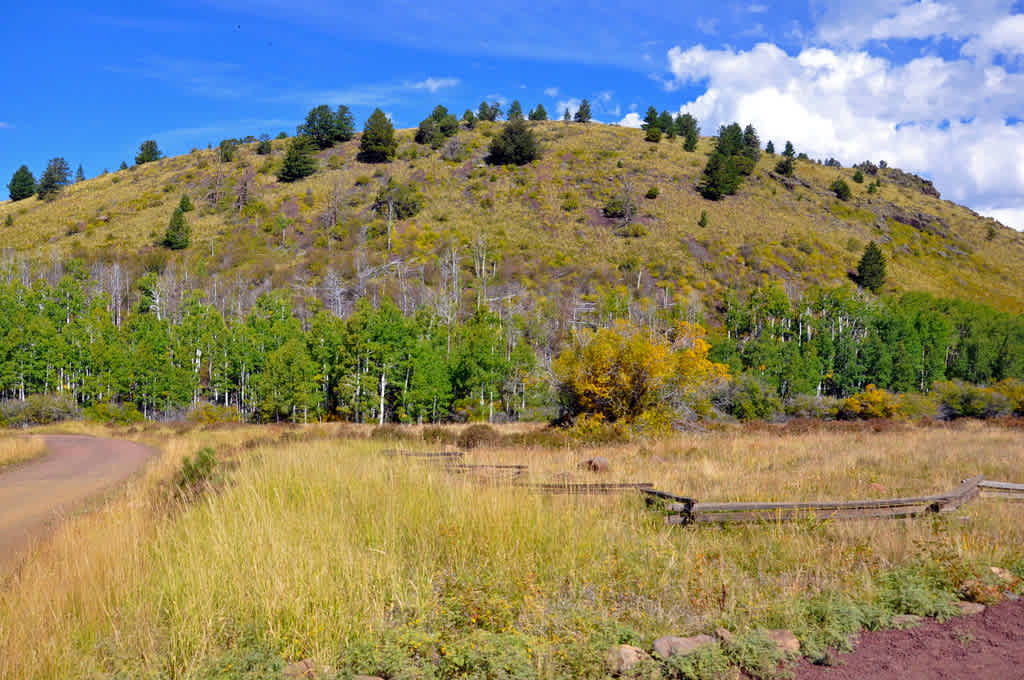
(632,120)
(551,91)
(573,104)
(435,84)
(854,24)
(946,119)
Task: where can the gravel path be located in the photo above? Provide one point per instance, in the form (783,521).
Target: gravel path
(35,495)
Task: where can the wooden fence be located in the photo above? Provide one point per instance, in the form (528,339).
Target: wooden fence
(683,510)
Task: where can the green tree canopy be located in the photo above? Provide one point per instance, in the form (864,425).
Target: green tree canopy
(686,126)
(769,148)
(320,126)
(841,189)
(871,268)
(22,184)
(583,113)
(298,160)
(79,174)
(515,110)
(148,152)
(185,204)
(178,234)
(516,145)
(264,146)
(378,144)
(650,118)
(56,176)
(539,113)
(469,118)
(667,124)
(344,124)
(489,112)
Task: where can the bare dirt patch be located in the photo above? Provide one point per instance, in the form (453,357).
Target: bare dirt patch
(35,495)
(986,646)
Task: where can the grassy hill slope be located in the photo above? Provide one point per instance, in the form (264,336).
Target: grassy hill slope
(533,236)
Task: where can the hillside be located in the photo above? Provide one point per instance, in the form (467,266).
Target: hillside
(533,237)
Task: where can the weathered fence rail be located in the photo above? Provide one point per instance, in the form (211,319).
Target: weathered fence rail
(682,510)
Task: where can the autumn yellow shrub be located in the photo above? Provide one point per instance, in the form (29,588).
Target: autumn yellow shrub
(873,402)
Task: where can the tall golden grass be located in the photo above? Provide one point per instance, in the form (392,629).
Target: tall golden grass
(315,548)
(18,449)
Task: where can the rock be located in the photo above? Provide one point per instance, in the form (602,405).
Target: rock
(680,646)
(596,464)
(724,635)
(623,657)
(1004,575)
(785,640)
(301,669)
(1012,597)
(970,608)
(905,620)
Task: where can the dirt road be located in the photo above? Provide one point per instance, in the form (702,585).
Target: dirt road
(33,496)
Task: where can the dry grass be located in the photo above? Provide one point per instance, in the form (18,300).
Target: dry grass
(17,449)
(319,546)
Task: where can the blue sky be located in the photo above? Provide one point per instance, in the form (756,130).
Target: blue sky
(935,87)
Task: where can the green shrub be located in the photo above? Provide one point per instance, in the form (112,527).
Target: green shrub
(841,189)
(114,414)
(961,400)
(747,398)
(38,409)
(755,654)
(198,472)
(651,193)
(210,414)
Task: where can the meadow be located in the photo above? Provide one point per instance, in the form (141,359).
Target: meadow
(309,543)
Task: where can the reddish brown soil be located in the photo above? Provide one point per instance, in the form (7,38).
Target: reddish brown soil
(35,495)
(986,646)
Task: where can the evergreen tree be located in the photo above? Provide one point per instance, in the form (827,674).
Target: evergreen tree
(539,113)
(321,126)
(178,234)
(185,204)
(786,165)
(469,118)
(344,124)
(871,268)
(298,160)
(55,178)
(489,112)
(583,113)
(226,150)
(515,110)
(378,144)
(123,166)
(730,139)
(751,143)
(80,174)
(721,178)
(8,220)
(667,125)
(22,184)
(789,151)
(264,147)
(770,148)
(653,133)
(841,189)
(567,116)
(516,145)
(148,152)
(686,126)
(858,176)
(650,118)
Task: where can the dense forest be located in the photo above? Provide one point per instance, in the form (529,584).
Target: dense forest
(378,364)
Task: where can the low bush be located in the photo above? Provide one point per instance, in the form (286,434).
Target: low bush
(38,409)
(747,398)
(114,413)
(392,432)
(477,435)
(198,472)
(961,400)
(873,402)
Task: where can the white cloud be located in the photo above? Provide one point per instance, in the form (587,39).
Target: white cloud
(944,119)
(551,91)
(757,8)
(435,84)
(573,104)
(497,98)
(1005,37)
(855,23)
(632,120)
(5,126)
(1011,217)
(709,26)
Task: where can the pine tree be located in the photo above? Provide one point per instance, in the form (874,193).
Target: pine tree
(653,133)
(264,147)
(516,145)
(841,189)
(55,178)
(148,152)
(721,177)
(539,113)
(583,113)
(751,143)
(178,233)
(515,111)
(650,118)
(786,165)
(686,126)
(298,160)
(489,112)
(123,166)
(469,118)
(320,126)
(871,268)
(378,143)
(567,116)
(667,125)
(22,184)
(80,174)
(770,148)
(9,221)
(344,124)
(185,204)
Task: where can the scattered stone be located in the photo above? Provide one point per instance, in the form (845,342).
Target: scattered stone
(301,669)
(680,646)
(905,620)
(785,640)
(1012,597)
(1004,575)
(724,635)
(596,464)
(621,658)
(970,608)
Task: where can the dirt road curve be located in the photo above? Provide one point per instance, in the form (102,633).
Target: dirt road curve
(33,496)
(986,646)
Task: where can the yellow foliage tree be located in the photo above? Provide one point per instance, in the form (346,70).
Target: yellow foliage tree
(621,372)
